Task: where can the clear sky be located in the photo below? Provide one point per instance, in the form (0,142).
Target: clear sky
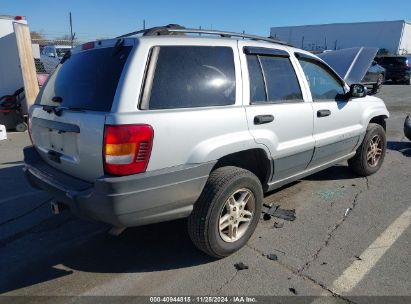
(105,18)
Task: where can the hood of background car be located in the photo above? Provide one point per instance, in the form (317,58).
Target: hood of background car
(351,64)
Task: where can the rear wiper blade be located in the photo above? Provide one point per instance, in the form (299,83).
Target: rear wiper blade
(59,110)
(65,57)
(118,47)
(48,109)
(57,99)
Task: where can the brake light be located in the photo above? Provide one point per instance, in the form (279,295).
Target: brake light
(127,148)
(87,46)
(18,18)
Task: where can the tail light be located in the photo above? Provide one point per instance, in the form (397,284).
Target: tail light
(127,148)
(87,46)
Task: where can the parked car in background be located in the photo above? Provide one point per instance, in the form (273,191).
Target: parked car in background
(398,68)
(374,78)
(51,56)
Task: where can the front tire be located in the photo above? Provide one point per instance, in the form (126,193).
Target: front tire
(227,211)
(370,154)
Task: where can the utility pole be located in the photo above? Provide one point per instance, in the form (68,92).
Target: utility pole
(302,43)
(144,24)
(71,31)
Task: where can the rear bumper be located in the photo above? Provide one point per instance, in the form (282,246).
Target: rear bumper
(398,75)
(124,201)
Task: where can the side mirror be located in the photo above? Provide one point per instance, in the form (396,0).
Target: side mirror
(358,91)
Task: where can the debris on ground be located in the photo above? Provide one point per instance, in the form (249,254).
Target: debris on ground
(266,217)
(240,266)
(293,290)
(407,127)
(329,194)
(276,211)
(278,225)
(324,263)
(347,211)
(272,257)
(357,258)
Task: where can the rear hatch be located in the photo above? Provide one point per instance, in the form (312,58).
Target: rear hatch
(67,119)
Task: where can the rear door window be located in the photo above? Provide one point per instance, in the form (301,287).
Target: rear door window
(87,80)
(272,79)
(189,76)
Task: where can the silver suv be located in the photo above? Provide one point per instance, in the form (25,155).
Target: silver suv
(148,128)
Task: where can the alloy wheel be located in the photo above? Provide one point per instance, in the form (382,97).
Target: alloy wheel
(236,215)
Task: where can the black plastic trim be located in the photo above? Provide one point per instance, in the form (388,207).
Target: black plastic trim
(250,50)
(263,119)
(55,125)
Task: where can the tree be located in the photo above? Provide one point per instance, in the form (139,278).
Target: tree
(38,38)
(36,35)
(383,52)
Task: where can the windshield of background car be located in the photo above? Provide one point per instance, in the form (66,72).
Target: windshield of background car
(86,80)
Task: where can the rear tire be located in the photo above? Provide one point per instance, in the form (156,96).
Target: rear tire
(232,197)
(370,154)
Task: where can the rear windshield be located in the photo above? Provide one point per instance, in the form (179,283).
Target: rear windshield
(86,80)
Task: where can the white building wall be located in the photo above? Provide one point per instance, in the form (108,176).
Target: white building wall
(405,45)
(384,34)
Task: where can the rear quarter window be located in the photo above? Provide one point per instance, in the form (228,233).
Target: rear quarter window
(189,76)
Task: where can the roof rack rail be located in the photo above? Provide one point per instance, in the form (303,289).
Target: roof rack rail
(175,29)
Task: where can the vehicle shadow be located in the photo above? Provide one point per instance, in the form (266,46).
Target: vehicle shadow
(401,146)
(156,247)
(336,172)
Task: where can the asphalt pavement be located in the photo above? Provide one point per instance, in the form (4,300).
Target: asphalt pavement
(351,238)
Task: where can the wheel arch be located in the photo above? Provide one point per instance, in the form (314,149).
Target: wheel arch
(255,160)
(379,119)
